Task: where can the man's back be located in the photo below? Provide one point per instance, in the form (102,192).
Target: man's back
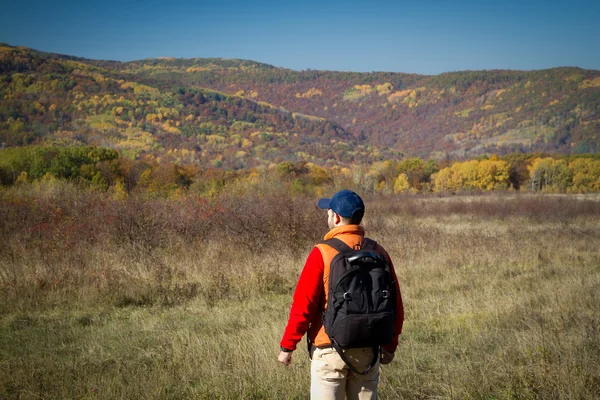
(331,377)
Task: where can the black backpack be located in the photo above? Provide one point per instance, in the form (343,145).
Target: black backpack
(361,305)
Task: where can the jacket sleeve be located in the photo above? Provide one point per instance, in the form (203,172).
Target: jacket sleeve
(306,300)
(399,311)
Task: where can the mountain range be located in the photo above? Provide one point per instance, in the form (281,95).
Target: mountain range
(240,114)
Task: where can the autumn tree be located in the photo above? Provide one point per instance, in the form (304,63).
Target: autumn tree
(548,174)
(490,174)
(586,174)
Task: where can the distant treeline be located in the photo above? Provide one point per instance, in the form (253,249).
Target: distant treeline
(106,170)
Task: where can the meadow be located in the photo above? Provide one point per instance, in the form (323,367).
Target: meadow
(144,298)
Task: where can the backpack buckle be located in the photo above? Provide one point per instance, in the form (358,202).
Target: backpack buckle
(347,296)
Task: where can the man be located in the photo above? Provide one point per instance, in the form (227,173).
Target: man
(331,377)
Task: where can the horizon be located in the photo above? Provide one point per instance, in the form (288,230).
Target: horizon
(291,69)
(428,38)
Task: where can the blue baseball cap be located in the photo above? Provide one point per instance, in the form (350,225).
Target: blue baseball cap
(345,203)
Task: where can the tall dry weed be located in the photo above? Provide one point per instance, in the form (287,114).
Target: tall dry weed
(150,298)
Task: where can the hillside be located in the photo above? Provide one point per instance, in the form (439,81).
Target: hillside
(240,113)
(52,99)
(460,113)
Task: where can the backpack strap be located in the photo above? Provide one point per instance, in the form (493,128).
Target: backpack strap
(340,351)
(341,247)
(337,244)
(369,244)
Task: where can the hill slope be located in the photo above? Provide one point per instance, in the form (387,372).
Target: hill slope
(240,113)
(461,113)
(54,99)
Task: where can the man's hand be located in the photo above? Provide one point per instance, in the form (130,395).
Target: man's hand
(386,356)
(285,357)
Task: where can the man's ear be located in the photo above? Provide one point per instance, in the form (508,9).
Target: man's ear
(337,218)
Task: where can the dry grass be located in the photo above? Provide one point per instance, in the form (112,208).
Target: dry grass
(501,292)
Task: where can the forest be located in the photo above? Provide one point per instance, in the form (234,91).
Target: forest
(105,170)
(239,114)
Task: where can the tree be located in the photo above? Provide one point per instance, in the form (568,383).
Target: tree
(493,175)
(401,184)
(586,174)
(548,174)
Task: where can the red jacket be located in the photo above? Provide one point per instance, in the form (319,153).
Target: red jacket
(310,295)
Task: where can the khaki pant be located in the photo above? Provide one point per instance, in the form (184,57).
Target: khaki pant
(332,379)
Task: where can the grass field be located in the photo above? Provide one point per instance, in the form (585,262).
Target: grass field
(502,295)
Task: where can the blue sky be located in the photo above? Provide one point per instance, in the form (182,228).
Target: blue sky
(426,36)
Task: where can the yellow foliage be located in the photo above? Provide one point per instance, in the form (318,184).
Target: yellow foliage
(382,187)
(196,69)
(443,182)
(171,129)
(549,175)
(39,106)
(464,113)
(118,191)
(385,88)
(586,174)
(137,140)
(585,123)
(397,96)
(590,83)
(152,118)
(22,178)
(264,103)
(363,88)
(48,178)
(139,88)
(358,92)
(214,139)
(574,78)
(493,174)
(490,174)
(312,92)
(553,102)
(401,183)
(318,175)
